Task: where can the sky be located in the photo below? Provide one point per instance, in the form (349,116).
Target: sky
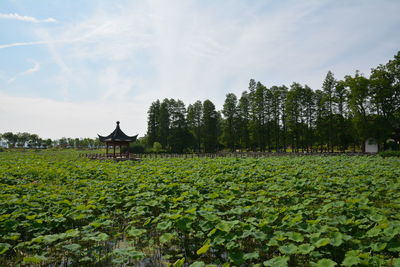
(73,68)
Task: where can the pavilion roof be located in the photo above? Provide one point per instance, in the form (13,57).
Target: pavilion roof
(117,136)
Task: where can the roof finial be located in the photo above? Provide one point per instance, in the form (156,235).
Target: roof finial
(117,123)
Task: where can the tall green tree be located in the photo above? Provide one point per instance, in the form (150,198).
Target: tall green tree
(179,138)
(164,123)
(10,138)
(210,127)
(293,113)
(361,107)
(328,87)
(342,128)
(230,127)
(194,118)
(153,123)
(244,121)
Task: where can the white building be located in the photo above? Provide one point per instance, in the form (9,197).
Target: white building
(3,144)
(371,146)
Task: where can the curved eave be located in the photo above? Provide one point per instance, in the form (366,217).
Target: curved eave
(111,139)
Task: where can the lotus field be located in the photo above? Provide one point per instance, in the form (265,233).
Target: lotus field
(60,210)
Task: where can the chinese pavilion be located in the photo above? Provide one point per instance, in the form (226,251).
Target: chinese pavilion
(117,139)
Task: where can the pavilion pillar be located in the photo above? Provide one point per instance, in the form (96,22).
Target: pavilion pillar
(114,149)
(106,150)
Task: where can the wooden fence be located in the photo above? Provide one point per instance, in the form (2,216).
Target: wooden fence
(217,155)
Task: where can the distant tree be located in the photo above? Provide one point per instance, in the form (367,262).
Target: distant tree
(293,115)
(276,99)
(22,138)
(341,122)
(243,110)
(257,110)
(328,88)
(33,140)
(385,98)
(321,123)
(230,113)
(210,127)
(179,136)
(308,117)
(48,142)
(157,147)
(164,123)
(194,119)
(153,123)
(10,138)
(361,107)
(63,142)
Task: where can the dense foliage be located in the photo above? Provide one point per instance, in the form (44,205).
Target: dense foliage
(340,116)
(28,140)
(279,211)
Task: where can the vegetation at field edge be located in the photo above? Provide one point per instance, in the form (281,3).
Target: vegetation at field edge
(57,209)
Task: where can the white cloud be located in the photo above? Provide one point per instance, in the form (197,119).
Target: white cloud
(133,54)
(56,119)
(15,16)
(21,44)
(33,69)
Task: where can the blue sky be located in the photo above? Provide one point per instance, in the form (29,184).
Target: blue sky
(72,68)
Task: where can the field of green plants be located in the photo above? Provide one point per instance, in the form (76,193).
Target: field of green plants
(60,210)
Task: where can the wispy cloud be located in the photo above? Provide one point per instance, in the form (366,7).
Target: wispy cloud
(21,44)
(15,16)
(33,69)
(123,55)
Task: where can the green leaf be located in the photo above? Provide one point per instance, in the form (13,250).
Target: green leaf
(34,259)
(4,247)
(326,263)
(336,239)
(165,225)
(72,233)
(297,237)
(224,226)
(136,232)
(351,258)
(377,218)
(391,231)
(280,261)
(322,242)
(72,247)
(203,249)
(396,262)
(51,238)
(375,231)
(13,236)
(197,264)
(122,256)
(378,246)
(179,263)
(288,249)
(305,249)
(251,256)
(98,237)
(166,238)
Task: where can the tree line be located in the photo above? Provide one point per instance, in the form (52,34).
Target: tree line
(340,116)
(28,140)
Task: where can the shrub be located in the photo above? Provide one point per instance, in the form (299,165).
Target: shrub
(136,148)
(385,154)
(157,147)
